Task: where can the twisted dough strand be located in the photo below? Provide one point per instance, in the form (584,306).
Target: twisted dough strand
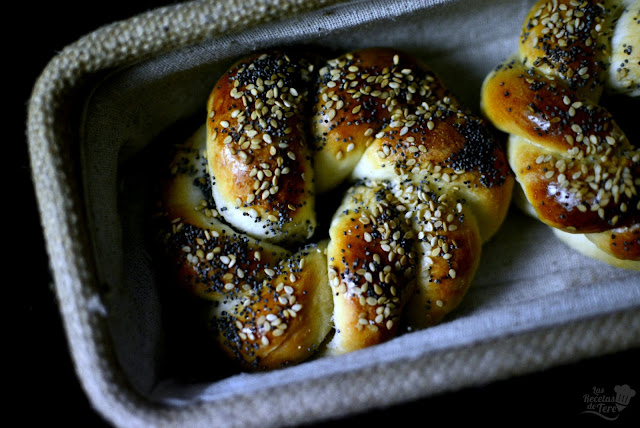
(576,168)
(271,305)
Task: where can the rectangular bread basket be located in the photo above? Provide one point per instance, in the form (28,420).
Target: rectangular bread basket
(103,102)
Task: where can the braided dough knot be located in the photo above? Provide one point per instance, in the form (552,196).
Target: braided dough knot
(577,171)
(418,183)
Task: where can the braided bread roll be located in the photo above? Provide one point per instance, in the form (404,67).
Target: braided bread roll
(576,169)
(427,185)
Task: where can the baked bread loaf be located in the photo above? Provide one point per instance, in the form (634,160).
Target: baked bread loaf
(426,185)
(576,169)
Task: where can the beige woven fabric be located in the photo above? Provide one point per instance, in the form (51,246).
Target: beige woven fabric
(104,99)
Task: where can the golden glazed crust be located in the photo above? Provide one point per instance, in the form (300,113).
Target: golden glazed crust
(622,243)
(427,171)
(371,266)
(360,94)
(576,167)
(270,307)
(427,184)
(263,180)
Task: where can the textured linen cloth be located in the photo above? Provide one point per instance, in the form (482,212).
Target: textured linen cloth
(533,304)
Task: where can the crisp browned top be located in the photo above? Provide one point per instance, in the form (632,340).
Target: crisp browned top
(546,111)
(372,265)
(350,100)
(622,242)
(258,151)
(397,108)
(569,39)
(578,169)
(270,307)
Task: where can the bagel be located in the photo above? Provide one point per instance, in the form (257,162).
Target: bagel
(576,170)
(420,183)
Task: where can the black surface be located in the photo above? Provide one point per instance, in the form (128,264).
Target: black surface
(43,387)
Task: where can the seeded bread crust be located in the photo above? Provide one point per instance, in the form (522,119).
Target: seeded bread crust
(577,169)
(271,307)
(431,184)
(427,184)
(257,133)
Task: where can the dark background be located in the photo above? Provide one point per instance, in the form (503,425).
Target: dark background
(44,388)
